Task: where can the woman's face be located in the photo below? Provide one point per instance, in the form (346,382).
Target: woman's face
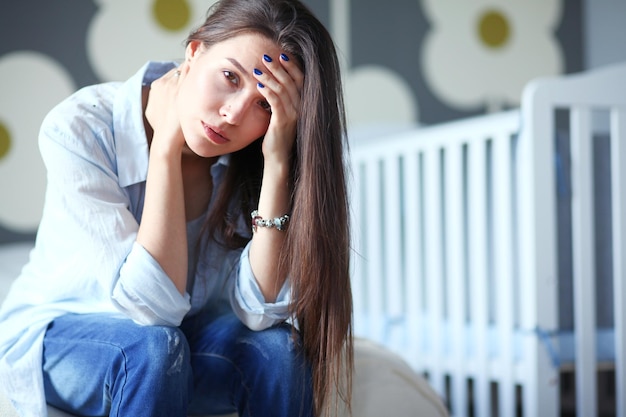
(220,107)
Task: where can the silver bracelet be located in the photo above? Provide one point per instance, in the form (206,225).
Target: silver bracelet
(279,223)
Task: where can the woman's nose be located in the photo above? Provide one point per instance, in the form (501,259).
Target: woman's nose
(234,110)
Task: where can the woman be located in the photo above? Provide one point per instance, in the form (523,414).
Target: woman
(148,293)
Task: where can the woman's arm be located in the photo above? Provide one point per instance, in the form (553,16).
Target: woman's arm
(162,230)
(282,83)
(89,225)
(267,243)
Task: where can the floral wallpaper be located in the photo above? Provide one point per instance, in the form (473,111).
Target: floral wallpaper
(406,62)
(499,46)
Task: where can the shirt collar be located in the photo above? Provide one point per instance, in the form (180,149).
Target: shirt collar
(128,128)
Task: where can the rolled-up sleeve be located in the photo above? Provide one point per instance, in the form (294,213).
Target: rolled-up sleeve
(85,202)
(146,294)
(248,302)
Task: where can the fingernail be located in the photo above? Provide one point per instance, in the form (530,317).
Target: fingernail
(260,85)
(267,58)
(284,57)
(258,71)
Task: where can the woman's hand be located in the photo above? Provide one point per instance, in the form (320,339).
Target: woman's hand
(162,111)
(280,83)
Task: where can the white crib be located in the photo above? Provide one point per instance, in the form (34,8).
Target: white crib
(456,250)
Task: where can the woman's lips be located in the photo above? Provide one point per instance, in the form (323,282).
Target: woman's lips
(214,135)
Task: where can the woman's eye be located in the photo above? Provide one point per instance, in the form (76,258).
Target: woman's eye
(265,106)
(230,76)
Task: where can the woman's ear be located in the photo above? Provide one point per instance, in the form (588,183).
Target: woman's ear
(193,50)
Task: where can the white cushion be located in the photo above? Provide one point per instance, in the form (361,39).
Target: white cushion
(385,385)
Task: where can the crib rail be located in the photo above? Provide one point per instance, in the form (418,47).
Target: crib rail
(456,248)
(586,96)
(438,260)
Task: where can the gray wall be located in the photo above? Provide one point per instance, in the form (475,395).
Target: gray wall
(605,32)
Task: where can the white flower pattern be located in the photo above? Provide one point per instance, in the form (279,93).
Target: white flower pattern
(23,78)
(483,52)
(377,96)
(124,35)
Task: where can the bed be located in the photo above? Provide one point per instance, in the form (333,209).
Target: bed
(490,252)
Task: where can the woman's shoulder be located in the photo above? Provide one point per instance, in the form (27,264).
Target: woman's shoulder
(82,123)
(90,106)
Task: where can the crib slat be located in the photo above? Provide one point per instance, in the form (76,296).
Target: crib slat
(455,261)
(358,279)
(374,236)
(413,260)
(618,193)
(583,237)
(503,267)
(434,270)
(477,253)
(392,278)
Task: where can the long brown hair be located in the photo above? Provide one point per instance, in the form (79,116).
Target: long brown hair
(316,255)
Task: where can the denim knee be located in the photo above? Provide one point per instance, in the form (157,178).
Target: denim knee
(163,351)
(278,373)
(98,364)
(249,371)
(276,352)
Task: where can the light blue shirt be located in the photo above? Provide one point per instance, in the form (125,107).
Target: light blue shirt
(86,259)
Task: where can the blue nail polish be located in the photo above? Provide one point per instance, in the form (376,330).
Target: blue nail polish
(284,57)
(260,85)
(267,58)
(258,71)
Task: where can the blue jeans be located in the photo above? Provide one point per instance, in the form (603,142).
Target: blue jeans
(99,365)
